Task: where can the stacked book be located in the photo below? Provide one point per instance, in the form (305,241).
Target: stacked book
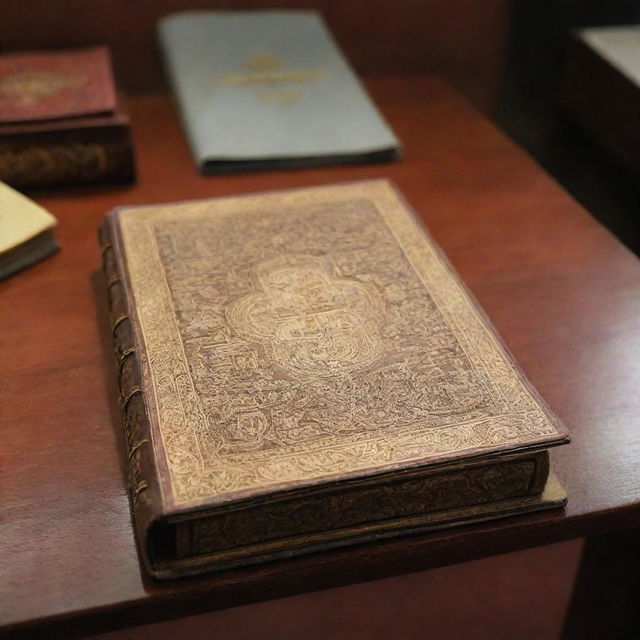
(61,122)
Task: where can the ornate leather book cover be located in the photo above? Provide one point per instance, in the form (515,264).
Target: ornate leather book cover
(268,89)
(60,120)
(303,369)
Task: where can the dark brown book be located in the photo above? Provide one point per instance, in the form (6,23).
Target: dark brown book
(60,120)
(302,370)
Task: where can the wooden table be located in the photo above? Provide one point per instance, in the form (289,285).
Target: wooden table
(562,291)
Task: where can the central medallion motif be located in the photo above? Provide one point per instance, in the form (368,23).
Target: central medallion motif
(310,319)
(28,87)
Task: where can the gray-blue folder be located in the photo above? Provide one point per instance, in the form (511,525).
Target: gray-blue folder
(265,89)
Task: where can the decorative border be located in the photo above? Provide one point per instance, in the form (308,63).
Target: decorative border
(177,412)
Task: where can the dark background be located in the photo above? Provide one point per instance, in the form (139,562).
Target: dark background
(526,108)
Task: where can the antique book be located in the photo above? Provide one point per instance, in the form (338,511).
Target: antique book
(26,232)
(268,89)
(301,370)
(601,88)
(61,122)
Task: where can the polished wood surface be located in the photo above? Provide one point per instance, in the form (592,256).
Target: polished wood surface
(563,293)
(452,602)
(462,41)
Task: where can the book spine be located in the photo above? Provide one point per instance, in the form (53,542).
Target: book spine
(36,164)
(134,416)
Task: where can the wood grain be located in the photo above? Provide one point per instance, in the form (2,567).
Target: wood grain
(564,294)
